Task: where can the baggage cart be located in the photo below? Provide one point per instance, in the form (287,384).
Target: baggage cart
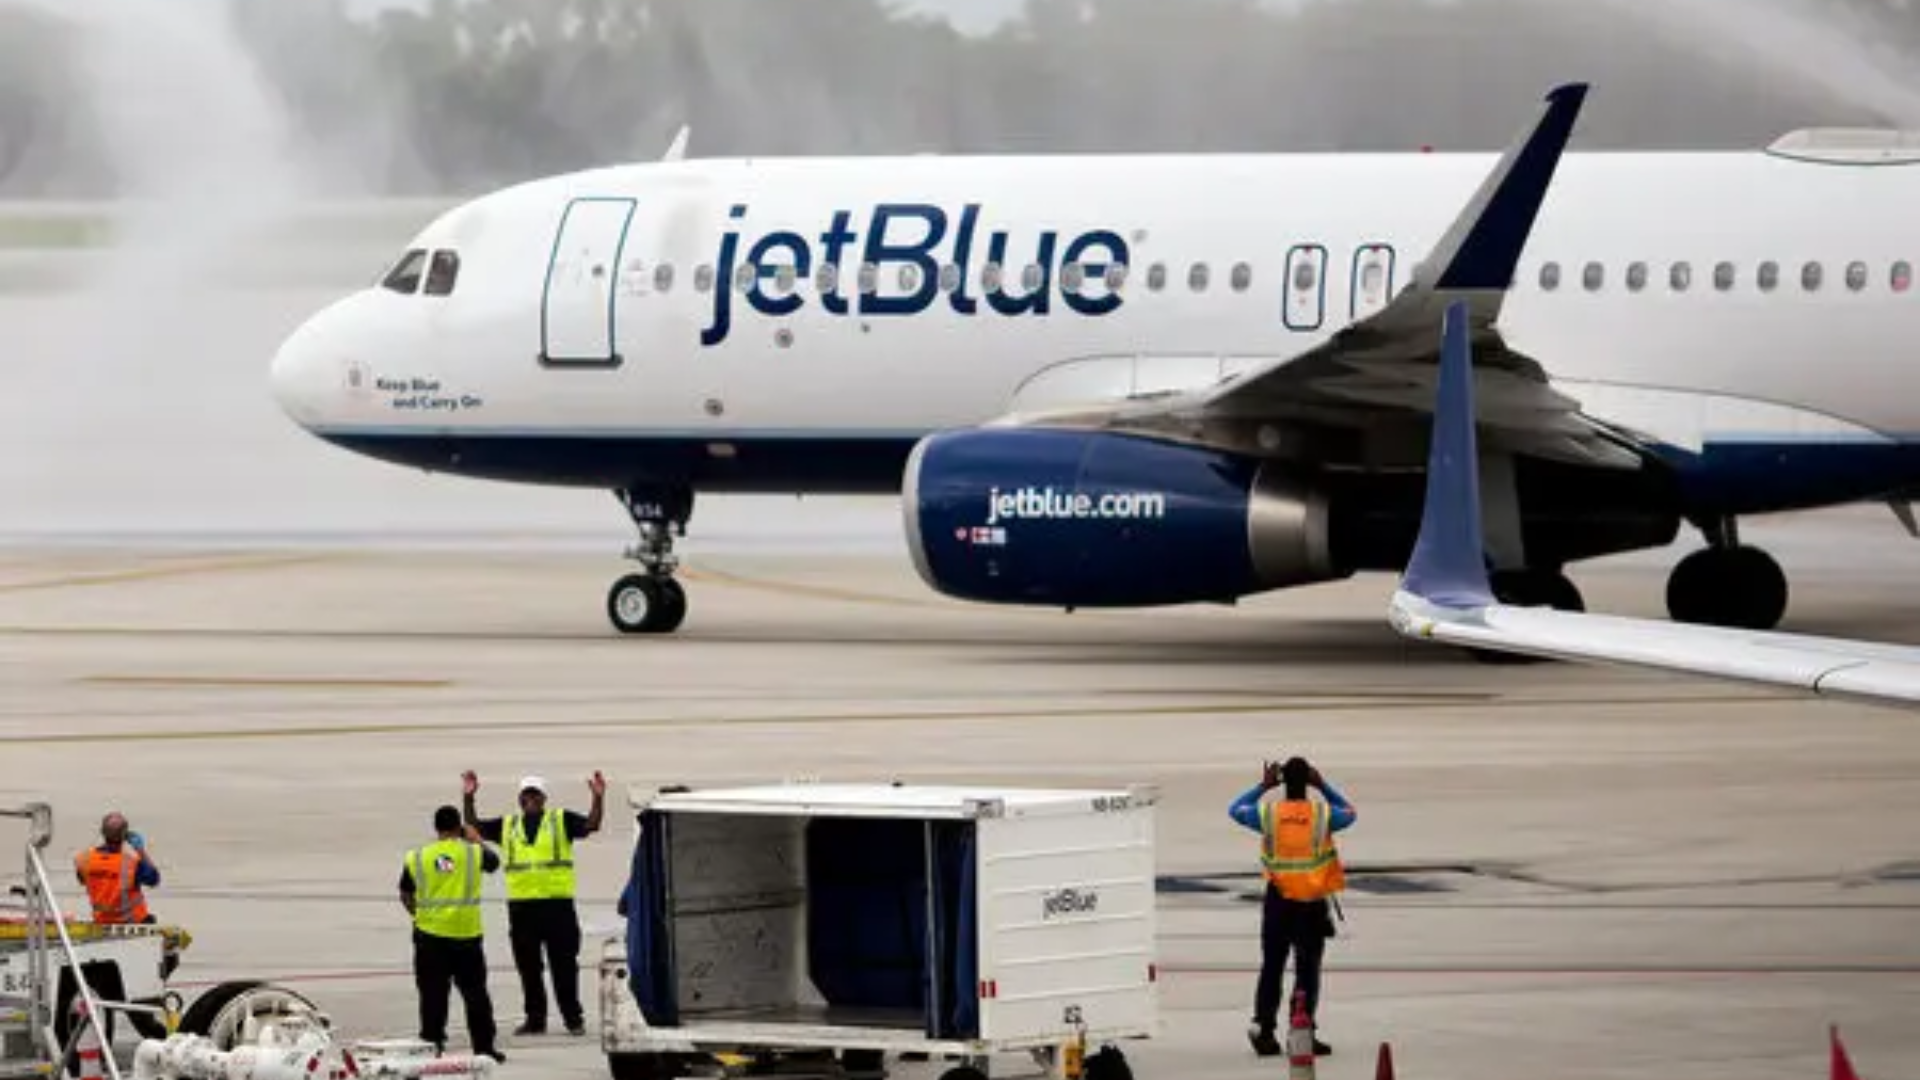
(815,929)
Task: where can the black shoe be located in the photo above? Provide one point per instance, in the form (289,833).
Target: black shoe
(1264,1043)
(1321,1049)
(530,1028)
(576,1028)
(494,1054)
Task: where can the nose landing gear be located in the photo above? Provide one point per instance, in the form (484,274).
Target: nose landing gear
(652,601)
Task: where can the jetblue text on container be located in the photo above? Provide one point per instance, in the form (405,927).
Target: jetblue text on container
(917,243)
(1052,503)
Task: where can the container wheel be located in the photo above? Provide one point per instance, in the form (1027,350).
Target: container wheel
(643,1066)
(1108,1064)
(963,1072)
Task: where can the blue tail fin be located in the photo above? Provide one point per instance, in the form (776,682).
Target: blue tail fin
(1448,567)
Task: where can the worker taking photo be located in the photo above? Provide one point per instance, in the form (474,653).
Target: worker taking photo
(1303,873)
(116,873)
(537,843)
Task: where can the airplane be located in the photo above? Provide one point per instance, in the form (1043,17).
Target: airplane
(1445,596)
(1129,381)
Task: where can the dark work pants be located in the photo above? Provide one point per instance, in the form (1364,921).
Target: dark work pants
(439,964)
(1300,927)
(552,926)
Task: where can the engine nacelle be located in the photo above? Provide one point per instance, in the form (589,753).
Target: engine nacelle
(1089,519)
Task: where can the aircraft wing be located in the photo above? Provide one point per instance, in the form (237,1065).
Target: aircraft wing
(1445,596)
(1385,363)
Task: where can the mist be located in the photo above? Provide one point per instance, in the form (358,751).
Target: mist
(208,133)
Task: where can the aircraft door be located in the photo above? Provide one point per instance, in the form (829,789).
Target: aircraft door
(1373,266)
(577,311)
(1306,306)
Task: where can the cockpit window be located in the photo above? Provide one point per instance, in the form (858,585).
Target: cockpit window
(443,274)
(405,276)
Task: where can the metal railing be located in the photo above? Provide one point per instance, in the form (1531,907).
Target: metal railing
(42,911)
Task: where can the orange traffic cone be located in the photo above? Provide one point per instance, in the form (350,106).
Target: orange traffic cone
(1300,1040)
(1384,1070)
(1842,1067)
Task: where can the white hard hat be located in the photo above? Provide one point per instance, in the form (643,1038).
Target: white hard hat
(533,783)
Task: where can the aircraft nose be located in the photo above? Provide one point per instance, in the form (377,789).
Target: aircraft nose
(305,373)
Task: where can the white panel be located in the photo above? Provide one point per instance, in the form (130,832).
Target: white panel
(580,282)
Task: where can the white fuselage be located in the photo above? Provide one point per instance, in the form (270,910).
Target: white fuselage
(1292,248)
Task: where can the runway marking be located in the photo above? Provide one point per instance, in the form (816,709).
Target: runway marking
(242,682)
(468,725)
(152,573)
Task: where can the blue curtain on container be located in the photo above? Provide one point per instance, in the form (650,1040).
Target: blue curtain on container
(649,962)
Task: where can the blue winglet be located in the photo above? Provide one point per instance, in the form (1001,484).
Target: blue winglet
(1483,252)
(1447,568)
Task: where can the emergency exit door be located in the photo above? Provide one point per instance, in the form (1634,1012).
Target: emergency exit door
(577,312)
(1372,278)
(1306,304)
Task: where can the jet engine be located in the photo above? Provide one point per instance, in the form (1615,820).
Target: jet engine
(1063,518)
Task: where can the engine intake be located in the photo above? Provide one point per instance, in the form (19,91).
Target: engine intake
(1089,519)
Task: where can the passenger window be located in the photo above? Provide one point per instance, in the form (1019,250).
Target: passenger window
(1197,277)
(1116,276)
(1072,276)
(1723,276)
(1810,276)
(869,279)
(663,278)
(1550,276)
(1303,278)
(1157,276)
(1594,277)
(1680,276)
(1030,278)
(1856,276)
(444,273)
(703,278)
(744,277)
(784,278)
(1769,276)
(827,278)
(909,277)
(1243,276)
(990,277)
(950,278)
(405,276)
(1637,276)
(1901,278)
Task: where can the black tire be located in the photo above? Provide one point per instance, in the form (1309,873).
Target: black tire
(633,604)
(205,1017)
(963,1072)
(643,1066)
(1108,1064)
(864,1064)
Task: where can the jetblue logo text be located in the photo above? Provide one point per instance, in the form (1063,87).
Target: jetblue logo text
(900,235)
(1069,902)
(1049,503)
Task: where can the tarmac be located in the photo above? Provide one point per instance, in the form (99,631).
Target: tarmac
(1559,871)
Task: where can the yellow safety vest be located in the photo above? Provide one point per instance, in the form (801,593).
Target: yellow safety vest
(1296,849)
(542,870)
(446,888)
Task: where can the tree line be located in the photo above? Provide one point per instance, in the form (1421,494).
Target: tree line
(450,96)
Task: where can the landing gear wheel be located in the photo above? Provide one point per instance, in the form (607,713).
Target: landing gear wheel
(221,1014)
(1530,588)
(644,604)
(1739,587)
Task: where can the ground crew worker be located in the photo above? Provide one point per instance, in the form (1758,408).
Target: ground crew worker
(116,874)
(440,888)
(1303,871)
(538,843)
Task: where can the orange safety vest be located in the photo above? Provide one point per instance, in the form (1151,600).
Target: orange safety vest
(1296,849)
(112,886)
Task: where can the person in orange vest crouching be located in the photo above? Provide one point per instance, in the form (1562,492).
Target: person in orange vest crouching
(1303,873)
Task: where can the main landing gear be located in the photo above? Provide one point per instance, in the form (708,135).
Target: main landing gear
(1727,584)
(652,601)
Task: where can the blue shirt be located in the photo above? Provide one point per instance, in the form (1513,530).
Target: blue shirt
(1246,808)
